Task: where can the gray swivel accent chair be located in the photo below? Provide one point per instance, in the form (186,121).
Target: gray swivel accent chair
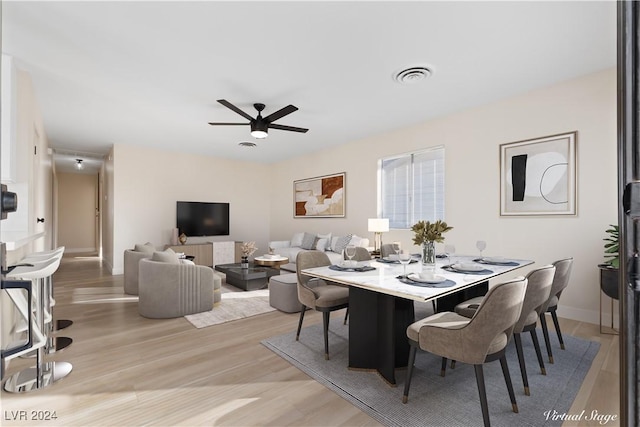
(476,341)
(560,282)
(317,294)
(538,288)
(132,258)
(172,290)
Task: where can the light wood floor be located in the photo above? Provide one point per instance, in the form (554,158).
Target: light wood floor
(130,371)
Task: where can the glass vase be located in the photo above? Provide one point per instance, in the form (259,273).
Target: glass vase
(429,255)
(244,262)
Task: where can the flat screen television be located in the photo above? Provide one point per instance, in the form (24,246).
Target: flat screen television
(203,219)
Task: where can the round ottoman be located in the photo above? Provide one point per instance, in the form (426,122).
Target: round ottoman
(283,293)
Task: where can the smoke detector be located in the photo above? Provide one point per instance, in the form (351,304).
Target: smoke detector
(412,75)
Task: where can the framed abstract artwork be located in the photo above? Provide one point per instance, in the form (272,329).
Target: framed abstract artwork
(538,176)
(320,197)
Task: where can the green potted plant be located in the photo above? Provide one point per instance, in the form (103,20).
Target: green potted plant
(426,234)
(609,269)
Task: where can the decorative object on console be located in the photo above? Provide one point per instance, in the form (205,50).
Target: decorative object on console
(378,226)
(248,248)
(538,176)
(182,239)
(322,196)
(426,234)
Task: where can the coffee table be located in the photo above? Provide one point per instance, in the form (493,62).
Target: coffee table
(273,261)
(248,279)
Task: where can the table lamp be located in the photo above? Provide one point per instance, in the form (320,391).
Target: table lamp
(378,226)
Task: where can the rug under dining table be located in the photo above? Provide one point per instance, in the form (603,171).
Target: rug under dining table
(444,401)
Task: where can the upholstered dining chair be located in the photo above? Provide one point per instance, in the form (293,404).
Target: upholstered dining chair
(362,254)
(538,288)
(386,249)
(560,282)
(476,341)
(318,294)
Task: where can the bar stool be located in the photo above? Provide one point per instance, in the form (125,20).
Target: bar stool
(43,374)
(26,323)
(36,257)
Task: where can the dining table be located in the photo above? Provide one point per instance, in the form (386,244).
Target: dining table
(382,296)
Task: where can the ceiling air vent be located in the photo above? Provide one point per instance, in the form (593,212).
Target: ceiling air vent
(412,75)
(247,144)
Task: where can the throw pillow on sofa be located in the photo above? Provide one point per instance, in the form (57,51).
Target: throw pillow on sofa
(339,243)
(321,244)
(308,241)
(147,248)
(296,240)
(168,255)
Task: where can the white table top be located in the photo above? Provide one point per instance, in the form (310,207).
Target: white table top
(384,278)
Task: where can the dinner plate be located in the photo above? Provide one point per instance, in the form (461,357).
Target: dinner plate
(467,267)
(435,279)
(496,260)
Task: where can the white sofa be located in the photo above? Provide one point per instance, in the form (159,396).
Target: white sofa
(332,245)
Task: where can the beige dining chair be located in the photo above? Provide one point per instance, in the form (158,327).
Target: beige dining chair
(560,282)
(538,288)
(362,254)
(318,294)
(476,341)
(386,249)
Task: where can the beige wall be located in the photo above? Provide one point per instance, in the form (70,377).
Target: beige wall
(147,183)
(77,202)
(471,139)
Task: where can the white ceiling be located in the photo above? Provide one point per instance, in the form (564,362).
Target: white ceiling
(149,73)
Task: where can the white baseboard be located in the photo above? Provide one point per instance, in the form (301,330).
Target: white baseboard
(79,250)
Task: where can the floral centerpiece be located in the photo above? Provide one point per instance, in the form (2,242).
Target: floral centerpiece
(426,234)
(247,249)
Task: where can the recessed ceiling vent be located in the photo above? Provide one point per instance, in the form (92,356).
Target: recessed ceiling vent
(412,75)
(247,144)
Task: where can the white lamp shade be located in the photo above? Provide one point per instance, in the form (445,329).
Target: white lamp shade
(378,225)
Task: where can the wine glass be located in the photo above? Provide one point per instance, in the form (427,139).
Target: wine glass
(481,245)
(350,251)
(396,248)
(405,258)
(449,250)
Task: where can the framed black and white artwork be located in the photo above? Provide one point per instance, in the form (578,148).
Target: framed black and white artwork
(538,176)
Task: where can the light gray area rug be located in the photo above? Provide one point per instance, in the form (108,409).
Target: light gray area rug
(449,401)
(234,306)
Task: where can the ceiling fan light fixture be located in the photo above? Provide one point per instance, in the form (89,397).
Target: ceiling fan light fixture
(79,164)
(259,130)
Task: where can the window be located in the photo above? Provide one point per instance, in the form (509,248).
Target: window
(411,187)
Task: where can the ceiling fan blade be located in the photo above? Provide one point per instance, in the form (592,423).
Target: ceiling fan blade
(280,113)
(234,108)
(290,128)
(228,124)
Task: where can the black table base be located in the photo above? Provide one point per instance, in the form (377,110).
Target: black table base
(378,331)
(378,327)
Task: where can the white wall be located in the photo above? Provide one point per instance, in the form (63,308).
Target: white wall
(471,139)
(147,183)
(32,180)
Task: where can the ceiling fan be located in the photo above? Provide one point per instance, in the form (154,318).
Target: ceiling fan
(261,125)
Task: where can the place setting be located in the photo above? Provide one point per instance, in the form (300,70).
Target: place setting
(351,265)
(426,280)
